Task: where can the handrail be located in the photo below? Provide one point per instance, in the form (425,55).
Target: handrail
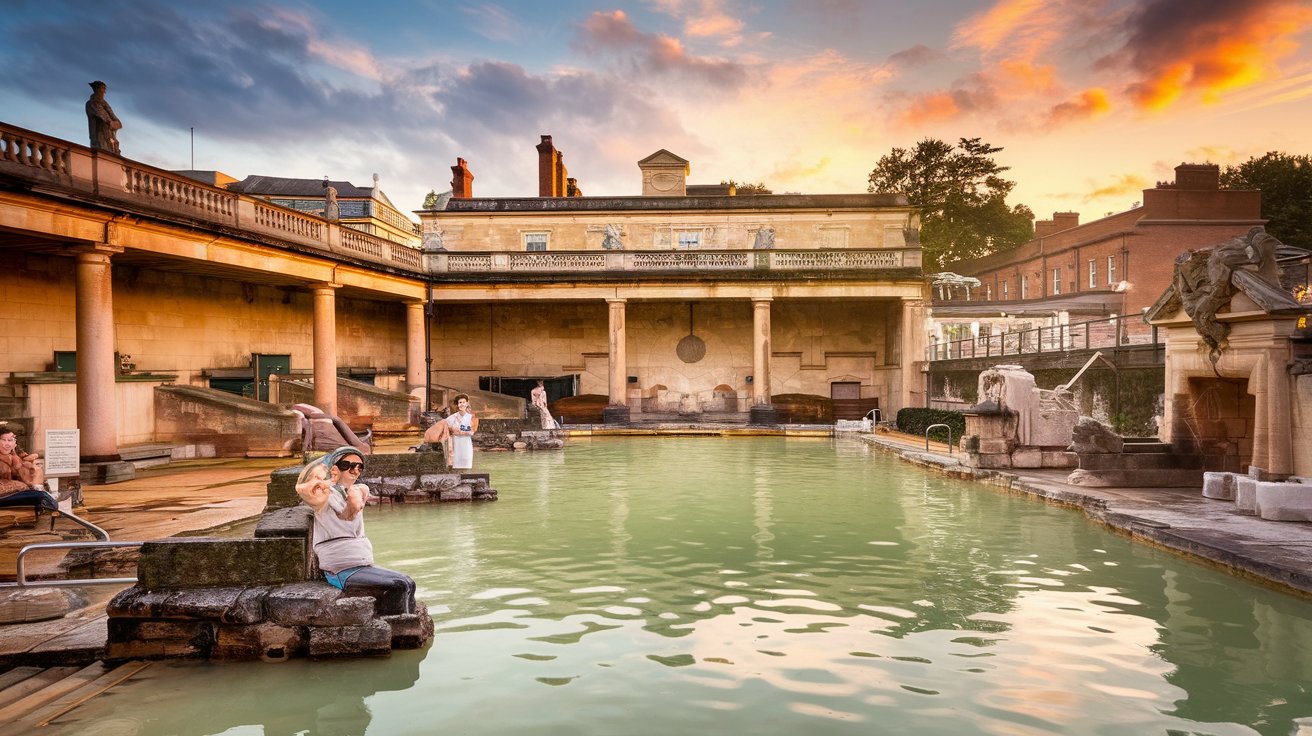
(936,426)
(20,571)
(879,416)
(1113,332)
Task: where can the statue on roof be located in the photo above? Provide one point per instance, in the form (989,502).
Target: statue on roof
(102,123)
(1206,279)
(331,210)
(435,201)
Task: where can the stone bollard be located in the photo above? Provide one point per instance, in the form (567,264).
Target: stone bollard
(1219,485)
(1284,501)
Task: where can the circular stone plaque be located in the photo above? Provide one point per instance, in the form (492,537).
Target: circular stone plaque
(691,349)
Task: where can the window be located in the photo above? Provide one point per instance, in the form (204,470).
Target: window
(1111,270)
(1093,273)
(535,241)
(1005,294)
(1024,287)
(690,239)
(1056,281)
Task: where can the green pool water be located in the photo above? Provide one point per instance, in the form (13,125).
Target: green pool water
(766,586)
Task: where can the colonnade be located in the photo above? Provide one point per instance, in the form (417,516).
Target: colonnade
(97,405)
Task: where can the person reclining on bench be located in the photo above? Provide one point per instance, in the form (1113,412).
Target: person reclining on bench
(21,479)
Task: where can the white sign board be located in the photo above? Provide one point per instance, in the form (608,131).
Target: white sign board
(63,452)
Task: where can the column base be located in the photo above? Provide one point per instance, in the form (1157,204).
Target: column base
(763,414)
(615,414)
(114,471)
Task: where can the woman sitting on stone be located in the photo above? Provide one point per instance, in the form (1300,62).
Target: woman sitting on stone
(21,478)
(329,486)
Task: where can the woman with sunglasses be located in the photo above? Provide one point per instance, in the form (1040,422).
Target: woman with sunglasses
(330,487)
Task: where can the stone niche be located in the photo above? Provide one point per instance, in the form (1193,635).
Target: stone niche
(1018,425)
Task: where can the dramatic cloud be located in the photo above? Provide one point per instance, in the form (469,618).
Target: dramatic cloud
(655,54)
(1205,47)
(972,94)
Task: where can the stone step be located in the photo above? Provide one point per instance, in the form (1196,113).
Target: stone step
(1147,447)
(146,454)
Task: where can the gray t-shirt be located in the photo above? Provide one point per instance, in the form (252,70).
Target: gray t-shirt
(338,543)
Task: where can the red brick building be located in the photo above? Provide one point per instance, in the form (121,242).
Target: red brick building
(1116,265)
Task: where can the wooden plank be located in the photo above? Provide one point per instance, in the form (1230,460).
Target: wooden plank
(34,683)
(43,716)
(52,690)
(17,675)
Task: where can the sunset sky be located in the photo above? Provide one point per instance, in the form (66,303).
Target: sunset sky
(1092,100)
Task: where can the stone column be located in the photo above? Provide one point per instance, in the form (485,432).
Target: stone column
(910,343)
(415,335)
(617,411)
(762,411)
(325,346)
(97,406)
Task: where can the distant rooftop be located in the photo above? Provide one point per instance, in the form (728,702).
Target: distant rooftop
(598,204)
(277,186)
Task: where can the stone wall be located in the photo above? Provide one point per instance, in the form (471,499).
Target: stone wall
(358,404)
(235,426)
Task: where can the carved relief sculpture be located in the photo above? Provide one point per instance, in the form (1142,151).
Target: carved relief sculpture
(764,238)
(1206,280)
(611,239)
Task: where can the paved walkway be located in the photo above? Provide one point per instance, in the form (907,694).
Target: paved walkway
(189,497)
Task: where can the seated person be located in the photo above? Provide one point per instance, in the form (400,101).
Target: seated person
(328,486)
(21,479)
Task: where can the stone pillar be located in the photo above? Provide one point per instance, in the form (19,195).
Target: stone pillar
(325,346)
(97,406)
(910,344)
(762,411)
(617,410)
(415,370)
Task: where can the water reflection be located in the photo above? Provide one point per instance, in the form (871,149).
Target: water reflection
(665,586)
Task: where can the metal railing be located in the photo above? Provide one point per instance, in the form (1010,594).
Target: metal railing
(1091,335)
(936,426)
(20,565)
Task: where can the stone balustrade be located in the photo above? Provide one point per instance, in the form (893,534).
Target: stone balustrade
(582,262)
(137,187)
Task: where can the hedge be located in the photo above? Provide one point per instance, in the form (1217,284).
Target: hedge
(915,421)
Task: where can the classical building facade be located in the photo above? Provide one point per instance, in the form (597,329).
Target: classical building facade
(366,209)
(674,303)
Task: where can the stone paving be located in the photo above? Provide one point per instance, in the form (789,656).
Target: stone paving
(184,498)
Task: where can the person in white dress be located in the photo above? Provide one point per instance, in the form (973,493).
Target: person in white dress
(462,425)
(538,396)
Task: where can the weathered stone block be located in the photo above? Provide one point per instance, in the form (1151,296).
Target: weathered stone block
(269,642)
(1027,457)
(459,493)
(204,562)
(1219,485)
(1284,501)
(280,492)
(374,638)
(418,497)
(411,630)
(392,485)
(125,650)
(295,521)
(134,639)
(136,602)
(1246,494)
(436,482)
(300,604)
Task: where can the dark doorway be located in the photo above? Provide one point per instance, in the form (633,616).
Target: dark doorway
(557,387)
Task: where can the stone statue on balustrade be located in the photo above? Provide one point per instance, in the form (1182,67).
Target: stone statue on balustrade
(611,239)
(764,238)
(433,241)
(102,123)
(331,209)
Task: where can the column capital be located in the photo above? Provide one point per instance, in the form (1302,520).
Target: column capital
(322,285)
(95,251)
(414,302)
(617,300)
(762,299)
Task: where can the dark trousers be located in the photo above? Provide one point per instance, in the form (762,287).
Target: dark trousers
(393,591)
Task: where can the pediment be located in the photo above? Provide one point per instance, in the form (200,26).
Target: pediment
(663,158)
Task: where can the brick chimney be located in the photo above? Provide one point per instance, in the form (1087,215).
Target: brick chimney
(462,182)
(1060,221)
(1198,176)
(548,161)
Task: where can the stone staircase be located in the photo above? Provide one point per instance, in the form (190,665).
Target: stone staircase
(33,697)
(1142,462)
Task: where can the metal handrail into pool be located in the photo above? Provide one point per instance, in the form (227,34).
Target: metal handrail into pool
(20,573)
(936,426)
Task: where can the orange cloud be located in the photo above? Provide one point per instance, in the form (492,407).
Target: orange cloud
(1090,103)
(930,108)
(1180,47)
(1121,186)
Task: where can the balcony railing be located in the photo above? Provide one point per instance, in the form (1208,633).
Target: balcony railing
(137,187)
(1093,335)
(665,261)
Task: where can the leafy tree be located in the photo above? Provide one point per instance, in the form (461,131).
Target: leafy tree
(962,196)
(1286,184)
(745,188)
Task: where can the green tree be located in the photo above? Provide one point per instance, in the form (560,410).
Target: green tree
(1286,184)
(962,196)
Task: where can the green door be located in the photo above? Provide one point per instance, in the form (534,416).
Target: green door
(265,364)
